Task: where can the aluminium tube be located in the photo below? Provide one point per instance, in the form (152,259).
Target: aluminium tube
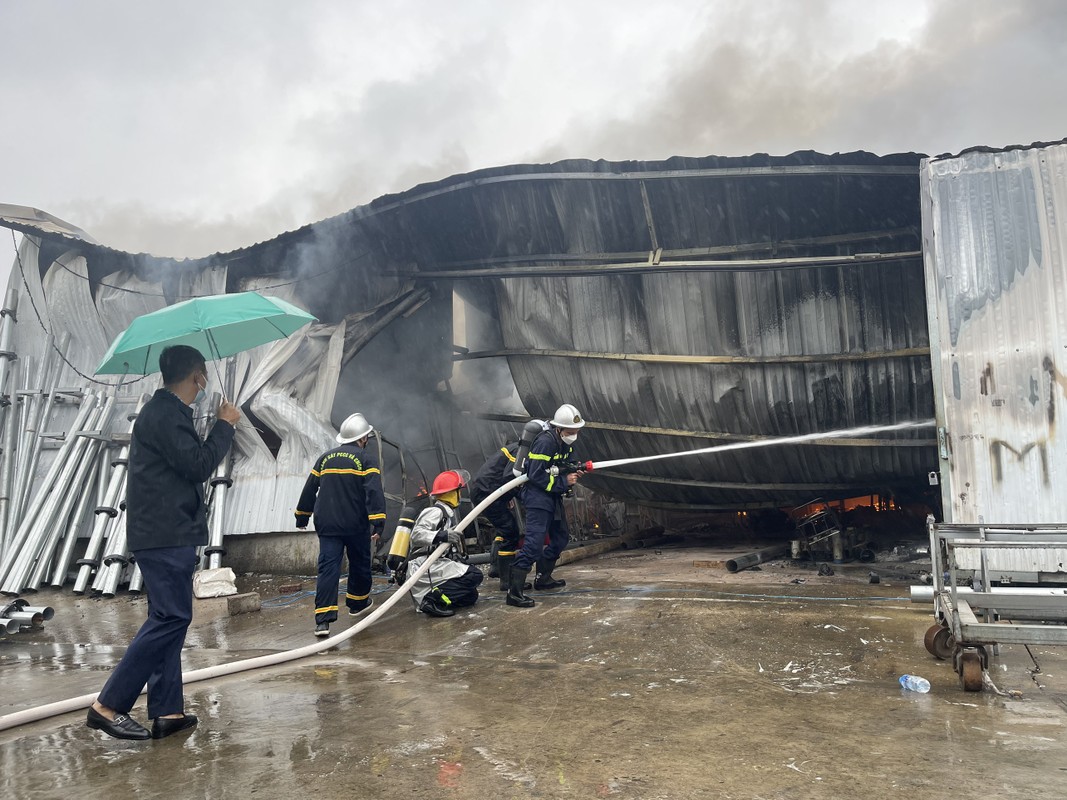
(106,510)
(49,499)
(136,579)
(9,626)
(757,557)
(84,456)
(70,540)
(47,612)
(55,373)
(25,617)
(31,402)
(221,483)
(61,524)
(80,703)
(9,316)
(7,466)
(105,514)
(114,562)
(22,547)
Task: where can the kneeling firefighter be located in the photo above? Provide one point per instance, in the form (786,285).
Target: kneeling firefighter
(551,475)
(494,473)
(449,583)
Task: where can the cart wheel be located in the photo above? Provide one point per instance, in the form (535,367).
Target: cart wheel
(940,642)
(971,672)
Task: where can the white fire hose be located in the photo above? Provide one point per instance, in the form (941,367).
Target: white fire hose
(82,702)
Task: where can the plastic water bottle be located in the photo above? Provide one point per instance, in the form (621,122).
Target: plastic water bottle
(913,683)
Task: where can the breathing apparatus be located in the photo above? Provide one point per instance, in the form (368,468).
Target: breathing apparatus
(530,432)
(398,549)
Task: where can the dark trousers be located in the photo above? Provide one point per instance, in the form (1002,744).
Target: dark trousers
(538,523)
(462,591)
(155,654)
(331,550)
(507,527)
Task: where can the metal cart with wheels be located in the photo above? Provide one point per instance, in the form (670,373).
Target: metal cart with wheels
(972,621)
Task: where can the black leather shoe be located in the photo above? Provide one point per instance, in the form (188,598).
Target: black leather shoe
(122,727)
(322,629)
(161,726)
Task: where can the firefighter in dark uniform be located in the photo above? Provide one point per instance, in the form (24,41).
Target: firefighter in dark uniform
(542,497)
(344,492)
(495,472)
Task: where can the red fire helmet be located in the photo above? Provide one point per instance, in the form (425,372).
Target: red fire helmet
(447,482)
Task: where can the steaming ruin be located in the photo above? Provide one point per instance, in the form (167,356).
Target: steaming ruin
(678,304)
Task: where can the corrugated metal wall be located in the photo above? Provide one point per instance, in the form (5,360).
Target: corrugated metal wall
(994,250)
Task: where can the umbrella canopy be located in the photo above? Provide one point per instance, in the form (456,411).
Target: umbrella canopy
(218,326)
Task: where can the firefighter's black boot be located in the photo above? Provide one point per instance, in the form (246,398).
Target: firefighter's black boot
(504,566)
(436,604)
(516,597)
(544,579)
(494,562)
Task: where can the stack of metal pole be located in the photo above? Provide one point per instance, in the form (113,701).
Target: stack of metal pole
(41,400)
(81,486)
(108,509)
(116,557)
(19,615)
(42,514)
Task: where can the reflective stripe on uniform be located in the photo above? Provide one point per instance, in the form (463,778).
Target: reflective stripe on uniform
(510,457)
(355,597)
(540,457)
(376,516)
(506,552)
(300,513)
(360,472)
(324,609)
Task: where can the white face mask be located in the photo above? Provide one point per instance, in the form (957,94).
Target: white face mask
(201,393)
(570,438)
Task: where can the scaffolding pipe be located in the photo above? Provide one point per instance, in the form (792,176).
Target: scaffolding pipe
(23,540)
(47,612)
(9,315)
(220,483)
(7,466)
(115,560)
(107,510)
(9,626)
(25,617)
(66,553)
(55,373)
(31,402)
(136,579)
(86,463)
(757,557)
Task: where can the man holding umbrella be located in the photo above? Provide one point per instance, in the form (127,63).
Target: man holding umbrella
(166,521)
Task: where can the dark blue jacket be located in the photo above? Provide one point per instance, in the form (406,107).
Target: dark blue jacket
(494,473)
(344,492)
(169,465)
(544,490)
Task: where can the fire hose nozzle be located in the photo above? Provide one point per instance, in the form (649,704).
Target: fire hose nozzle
(588,466)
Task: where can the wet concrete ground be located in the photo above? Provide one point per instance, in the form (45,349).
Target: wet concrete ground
(648,677)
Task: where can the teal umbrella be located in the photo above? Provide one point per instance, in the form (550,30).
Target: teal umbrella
(218,326)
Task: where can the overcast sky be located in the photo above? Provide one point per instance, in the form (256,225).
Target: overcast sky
(187,128)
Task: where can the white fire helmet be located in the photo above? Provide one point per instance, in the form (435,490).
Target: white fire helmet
(567,416)
(354,428)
